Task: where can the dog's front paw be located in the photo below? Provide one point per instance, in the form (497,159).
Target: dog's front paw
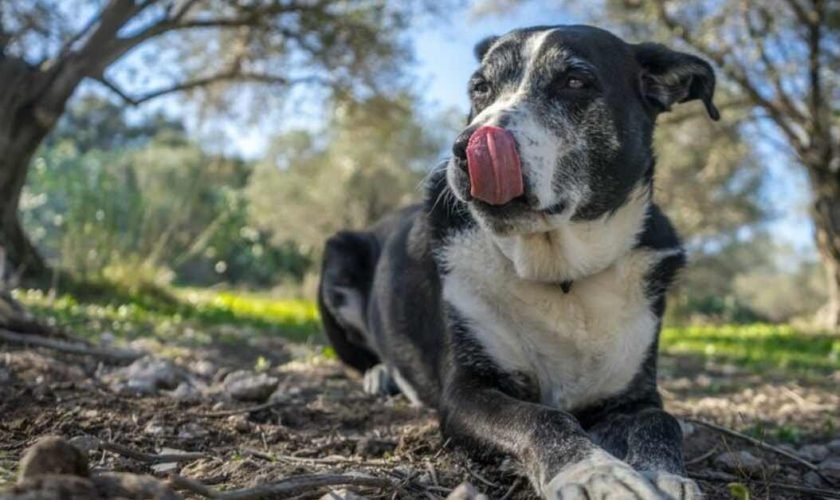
(674,486)
(602,476)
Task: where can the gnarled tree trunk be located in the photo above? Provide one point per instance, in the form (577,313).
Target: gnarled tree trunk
(826,216)
(30,103)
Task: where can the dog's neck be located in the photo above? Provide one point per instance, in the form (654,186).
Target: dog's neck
(577,249)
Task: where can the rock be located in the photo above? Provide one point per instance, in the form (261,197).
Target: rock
(466,491)
(813,452)
(814,480)
(246,386)
(740,461)
(240,423)
(85,443)
(53,455)
(204,368)
(185,392)
(145,376)
(830,468)
(165,467)
(52,487)
(368,447)
(342,494)
(192,430)
(834,447)
(155,428)
(132,486)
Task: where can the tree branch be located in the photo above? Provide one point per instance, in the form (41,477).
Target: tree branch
(734,71)
(772,72)
(229,75)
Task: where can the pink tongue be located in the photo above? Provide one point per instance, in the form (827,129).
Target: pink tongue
(493,164)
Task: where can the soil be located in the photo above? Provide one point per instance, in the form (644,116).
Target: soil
(321,421)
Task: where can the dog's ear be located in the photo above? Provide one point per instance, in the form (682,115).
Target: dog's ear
(483,46)
(670,77)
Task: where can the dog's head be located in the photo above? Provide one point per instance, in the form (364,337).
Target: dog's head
(561,124)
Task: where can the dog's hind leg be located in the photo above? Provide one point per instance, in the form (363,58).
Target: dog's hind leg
(379,381)
(650,440)
(346,275)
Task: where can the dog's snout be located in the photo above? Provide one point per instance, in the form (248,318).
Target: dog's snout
(459,147)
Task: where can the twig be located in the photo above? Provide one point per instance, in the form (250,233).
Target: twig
(149,458)
(336,460)
(817,492)
(512,488)
(247,409)
(702,457)
(281,489)
(197,487)
(761,444)
(122,356)
(481,478)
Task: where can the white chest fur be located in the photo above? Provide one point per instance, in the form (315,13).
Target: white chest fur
(579,346)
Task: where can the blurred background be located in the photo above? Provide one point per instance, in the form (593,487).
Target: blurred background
(169,171)
(187,158)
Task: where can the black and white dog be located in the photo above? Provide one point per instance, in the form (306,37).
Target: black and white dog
(524,298)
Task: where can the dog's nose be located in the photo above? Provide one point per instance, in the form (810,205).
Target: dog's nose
(459,148)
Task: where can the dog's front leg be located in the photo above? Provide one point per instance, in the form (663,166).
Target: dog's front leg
(557,454)
(650,440)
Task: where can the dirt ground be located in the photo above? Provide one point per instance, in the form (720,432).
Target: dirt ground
(317,420)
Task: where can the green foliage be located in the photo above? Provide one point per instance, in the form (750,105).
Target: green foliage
(757,346)
(368,160)
(140,204)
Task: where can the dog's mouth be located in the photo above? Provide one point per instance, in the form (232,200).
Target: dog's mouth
(493,166)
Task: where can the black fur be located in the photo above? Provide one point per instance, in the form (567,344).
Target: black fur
(398,268)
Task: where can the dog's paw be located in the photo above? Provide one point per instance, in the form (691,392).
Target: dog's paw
(379,382)
(674,486)
(602,476)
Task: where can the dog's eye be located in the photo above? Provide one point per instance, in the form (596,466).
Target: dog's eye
(480,87)
(575,83)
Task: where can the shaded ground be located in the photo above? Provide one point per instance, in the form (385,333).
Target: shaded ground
(320,420)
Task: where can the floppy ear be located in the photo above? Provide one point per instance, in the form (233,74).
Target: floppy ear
(483,46)
(670,77)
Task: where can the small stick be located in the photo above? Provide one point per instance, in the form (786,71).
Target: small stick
(702,456)
(299,484)
(336,460)
(149,458)
(197,487)
(119,356)
(761,444)
(512,488)
(481,478)
(790,487)
(247,409)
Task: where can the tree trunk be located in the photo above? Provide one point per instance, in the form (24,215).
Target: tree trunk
(826,216)
(29,108)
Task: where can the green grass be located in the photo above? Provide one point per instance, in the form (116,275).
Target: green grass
(200,316)
(204,315)
(757,346)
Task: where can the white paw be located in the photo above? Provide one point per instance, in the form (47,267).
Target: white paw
(674,486)
(601,476)
(378,381)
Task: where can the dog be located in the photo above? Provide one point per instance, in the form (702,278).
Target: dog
(524,297)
